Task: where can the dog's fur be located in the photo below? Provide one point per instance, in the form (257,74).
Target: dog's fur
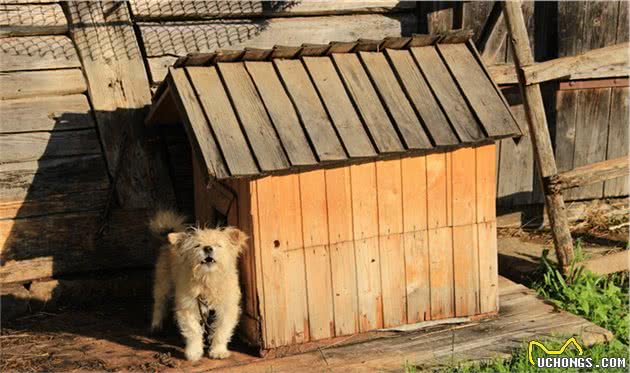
(199,268)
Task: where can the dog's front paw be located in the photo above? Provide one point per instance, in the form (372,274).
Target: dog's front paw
(219,353)
(194,352)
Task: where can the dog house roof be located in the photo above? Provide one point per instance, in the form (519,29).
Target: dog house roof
(257,111)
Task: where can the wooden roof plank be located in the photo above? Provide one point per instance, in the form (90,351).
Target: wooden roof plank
(447,93)
(223,121)
(420,95)
(196,125)
(253,117)
(395,100)
(282,113)
(369,105)
(479,90)
(340,108)
(310,110)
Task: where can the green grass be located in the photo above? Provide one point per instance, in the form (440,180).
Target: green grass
(601,299)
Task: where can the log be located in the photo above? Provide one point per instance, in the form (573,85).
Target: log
(29,20)
(37,53)
(539,134)
(590,174)
(41,83)
(155,10)
(602,59)
(120,95)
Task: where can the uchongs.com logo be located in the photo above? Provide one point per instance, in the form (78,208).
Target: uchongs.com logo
(553,359)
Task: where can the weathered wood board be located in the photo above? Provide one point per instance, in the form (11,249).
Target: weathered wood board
(41,247)
(162,41)
(617,139)
(152,10)
(53,113)
(37,53)
(41,83)
(32,146)
(28,20)
(54,185)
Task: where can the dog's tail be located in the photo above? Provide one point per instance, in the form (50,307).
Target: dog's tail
(165,222)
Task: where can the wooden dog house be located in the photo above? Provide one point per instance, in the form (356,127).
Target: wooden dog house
(364,174)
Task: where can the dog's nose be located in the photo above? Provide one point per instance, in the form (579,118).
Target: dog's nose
(208,249)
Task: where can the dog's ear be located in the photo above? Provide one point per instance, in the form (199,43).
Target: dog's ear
(237,237)
(175,237)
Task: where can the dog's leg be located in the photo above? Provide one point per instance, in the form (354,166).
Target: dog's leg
(162,287)
(226,318)
(189,321)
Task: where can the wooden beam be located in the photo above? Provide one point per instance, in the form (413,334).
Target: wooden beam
(539,133)
(119,90)
(590,174)
(602,59)
(611,263)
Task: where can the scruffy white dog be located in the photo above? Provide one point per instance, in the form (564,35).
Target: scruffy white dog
(199,267)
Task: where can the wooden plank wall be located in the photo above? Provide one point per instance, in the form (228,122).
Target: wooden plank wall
(380,244)
(54,179)
(592,124)
(587,125)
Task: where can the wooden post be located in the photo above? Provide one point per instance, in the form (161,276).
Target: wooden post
(539,133)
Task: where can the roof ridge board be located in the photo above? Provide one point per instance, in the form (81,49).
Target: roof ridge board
(316,49)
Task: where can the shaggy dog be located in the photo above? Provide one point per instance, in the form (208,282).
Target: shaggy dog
(199,267)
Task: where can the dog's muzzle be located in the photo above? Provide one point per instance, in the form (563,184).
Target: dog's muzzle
(208,260)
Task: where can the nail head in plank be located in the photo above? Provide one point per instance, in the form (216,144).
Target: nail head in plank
(447,93)
(479,90)
(369,105)
(253,117)
(395,101)
(282,113)
(196,125)
(340,108)
(223,121)
(310,110)
(421,97)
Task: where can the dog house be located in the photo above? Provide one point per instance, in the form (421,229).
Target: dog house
(363,173)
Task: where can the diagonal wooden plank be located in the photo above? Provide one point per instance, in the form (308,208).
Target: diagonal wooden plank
(446,92)
(369,105)
(339,106)
(310,110)
(405,118)
(479,90)
(421,97)
(253,116)
(195,123)
(222,119)
(282,113)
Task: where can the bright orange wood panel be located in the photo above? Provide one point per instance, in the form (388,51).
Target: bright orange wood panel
(315,232)
(342,255)
(365,221)
(441,269)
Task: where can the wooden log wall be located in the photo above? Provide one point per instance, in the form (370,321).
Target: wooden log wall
(587,125)
(54,181)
